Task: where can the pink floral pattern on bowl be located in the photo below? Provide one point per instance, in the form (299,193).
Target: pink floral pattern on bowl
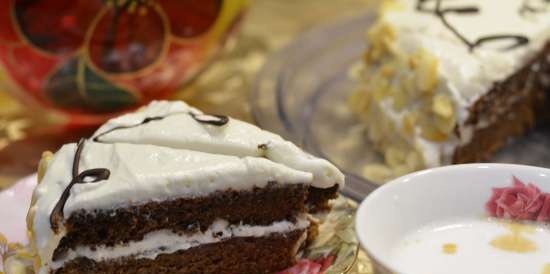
(520,202)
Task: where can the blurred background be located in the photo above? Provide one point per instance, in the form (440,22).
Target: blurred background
(214,71)
(288,66)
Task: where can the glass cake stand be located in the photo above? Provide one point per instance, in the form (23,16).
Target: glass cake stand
(302,92)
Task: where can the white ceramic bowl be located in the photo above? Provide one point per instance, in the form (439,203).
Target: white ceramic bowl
(412,201)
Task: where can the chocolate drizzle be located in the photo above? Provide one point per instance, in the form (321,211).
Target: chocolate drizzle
(516,39)
(218,120)
(145,121)
(88,176)
(210,119)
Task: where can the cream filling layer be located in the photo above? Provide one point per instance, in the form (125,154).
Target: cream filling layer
(167,242)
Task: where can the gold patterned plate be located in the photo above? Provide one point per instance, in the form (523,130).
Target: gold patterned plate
(337,237)
(336,240)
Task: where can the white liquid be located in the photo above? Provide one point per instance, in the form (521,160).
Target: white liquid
(422,251)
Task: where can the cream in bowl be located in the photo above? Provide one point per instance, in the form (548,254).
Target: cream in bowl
(479,218)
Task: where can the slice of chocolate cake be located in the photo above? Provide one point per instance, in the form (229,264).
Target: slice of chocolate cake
(448,82)
(169,189)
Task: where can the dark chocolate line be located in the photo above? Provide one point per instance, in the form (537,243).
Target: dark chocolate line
(219,120)
(460,10)
(519,40)
(88,176)
(441,14)
(145,121)
(76,160)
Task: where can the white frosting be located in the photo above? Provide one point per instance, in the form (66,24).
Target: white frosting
(168,159)
(145,173)
(237,138)
(167,242)
(468,75)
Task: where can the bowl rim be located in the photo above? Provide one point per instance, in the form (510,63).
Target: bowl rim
(406,179)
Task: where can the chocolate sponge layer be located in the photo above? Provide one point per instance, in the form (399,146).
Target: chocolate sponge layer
(318,198)
(258,206)
(250,255)
(509,109)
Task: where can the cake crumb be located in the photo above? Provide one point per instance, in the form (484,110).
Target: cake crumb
(449,248)
(3,239)
(546,269)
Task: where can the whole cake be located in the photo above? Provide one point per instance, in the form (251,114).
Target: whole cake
(169,189)
(446,82)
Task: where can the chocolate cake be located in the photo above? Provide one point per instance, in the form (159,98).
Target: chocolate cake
(169,189)
(445,82)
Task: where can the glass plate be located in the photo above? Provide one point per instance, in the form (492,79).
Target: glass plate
(301,93)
